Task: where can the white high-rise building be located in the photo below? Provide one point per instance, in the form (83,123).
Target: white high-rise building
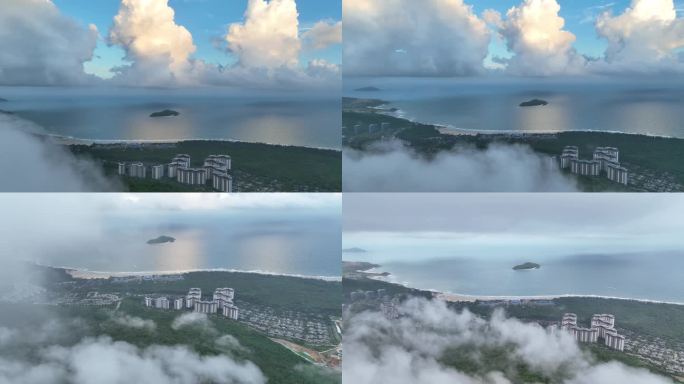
(602,327)
(178,303)
(173,168)
(222,160)
(569,320)
(615,341)
(569,154)
(183,159)
(606,160)
(157,172)
(212,170)
(586,335)
(617,173)
(603,319)
(161,302)
(205,306)
(223,183)
(193,295)
(608,153)
(191,176)
(224,296)
(137,170)
(230,311)
(122,169)
(585,167)
(149,302)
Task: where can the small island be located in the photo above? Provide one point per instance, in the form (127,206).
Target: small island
(161,240)
(367,89)
(534,103)
(527,265)
(3,100)
(164,113)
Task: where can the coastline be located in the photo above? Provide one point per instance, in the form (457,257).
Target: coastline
(447,129)
(82,273)
(464,297)
(469,298)
(69,140)
(456,297)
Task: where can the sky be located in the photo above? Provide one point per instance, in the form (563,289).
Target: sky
(406,227)
(532,38)
(171,43)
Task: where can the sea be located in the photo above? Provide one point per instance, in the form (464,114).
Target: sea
(304,246)
(643,276)
(293,118)
(651,107)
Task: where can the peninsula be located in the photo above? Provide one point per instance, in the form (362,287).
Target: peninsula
(161,240)
(164,113)
(527,265)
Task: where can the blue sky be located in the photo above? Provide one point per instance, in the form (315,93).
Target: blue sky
(207,21)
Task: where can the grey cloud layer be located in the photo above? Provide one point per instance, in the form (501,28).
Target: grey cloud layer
(497,169)
(40,46)
(45,167)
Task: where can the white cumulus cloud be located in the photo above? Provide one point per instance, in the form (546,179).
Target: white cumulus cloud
(158,48)
(323,34)
(413,38)
(644,38)
(269,36)
(535,35)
